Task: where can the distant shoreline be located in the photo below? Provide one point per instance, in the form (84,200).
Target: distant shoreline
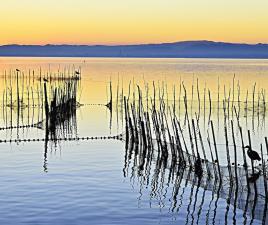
(185,49)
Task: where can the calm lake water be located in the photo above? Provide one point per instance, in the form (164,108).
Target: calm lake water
(94,181)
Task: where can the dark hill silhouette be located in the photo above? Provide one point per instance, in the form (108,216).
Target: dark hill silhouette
(184,49)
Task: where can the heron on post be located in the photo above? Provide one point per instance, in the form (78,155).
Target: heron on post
(253,155)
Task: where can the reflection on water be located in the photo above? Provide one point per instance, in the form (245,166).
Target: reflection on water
(178,190)
(69,179)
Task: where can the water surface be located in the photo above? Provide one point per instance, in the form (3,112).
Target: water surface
(88,182)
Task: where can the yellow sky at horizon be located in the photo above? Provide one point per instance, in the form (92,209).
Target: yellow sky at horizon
(132,21)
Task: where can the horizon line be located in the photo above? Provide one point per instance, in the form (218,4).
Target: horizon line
(133,44)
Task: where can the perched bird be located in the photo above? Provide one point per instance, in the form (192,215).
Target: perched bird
(77,72)
(253,155)
(17,70)
(44,79)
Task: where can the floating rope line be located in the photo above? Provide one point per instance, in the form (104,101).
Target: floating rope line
(115,137)
(37,125)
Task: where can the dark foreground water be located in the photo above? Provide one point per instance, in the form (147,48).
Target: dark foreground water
(84,183)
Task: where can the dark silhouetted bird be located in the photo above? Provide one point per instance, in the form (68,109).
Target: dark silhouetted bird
(17,70)
(77,72)
(253,155)
(44,79)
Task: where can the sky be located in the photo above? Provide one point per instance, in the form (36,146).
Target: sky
(114,22)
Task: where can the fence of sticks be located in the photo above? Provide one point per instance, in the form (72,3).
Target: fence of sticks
(155,176)
(60,110)
(37,98)
(152,127)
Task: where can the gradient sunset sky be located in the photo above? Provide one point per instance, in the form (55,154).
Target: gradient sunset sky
(132,21)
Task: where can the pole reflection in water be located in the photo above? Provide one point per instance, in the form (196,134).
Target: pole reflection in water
(176,188)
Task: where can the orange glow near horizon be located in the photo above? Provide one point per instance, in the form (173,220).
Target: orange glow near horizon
(132,21)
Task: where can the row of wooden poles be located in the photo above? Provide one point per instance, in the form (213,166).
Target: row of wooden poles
(60,109)
(158,121)
(166,183)
(23,94)
(253,100)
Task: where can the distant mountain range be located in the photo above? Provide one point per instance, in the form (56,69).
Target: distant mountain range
(184,49)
